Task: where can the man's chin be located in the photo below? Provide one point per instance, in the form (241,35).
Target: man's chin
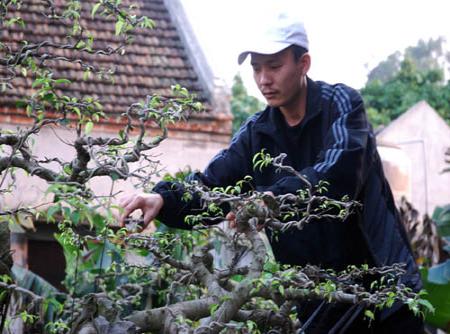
(273,103)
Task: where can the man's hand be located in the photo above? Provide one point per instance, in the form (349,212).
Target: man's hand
(149,204)
(231,218)
(268,199)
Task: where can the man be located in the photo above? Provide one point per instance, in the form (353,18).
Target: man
(324,131)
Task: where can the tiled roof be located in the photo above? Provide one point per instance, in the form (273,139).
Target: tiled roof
(155,60)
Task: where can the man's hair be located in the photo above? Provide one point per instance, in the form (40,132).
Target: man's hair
(298,51)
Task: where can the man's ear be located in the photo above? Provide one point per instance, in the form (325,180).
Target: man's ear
(305,63)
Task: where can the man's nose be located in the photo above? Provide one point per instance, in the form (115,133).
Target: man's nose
(264,78)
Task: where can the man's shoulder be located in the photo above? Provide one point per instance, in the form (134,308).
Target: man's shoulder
(338,89)
(341,98)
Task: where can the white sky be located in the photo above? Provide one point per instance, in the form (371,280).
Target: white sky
(347,37)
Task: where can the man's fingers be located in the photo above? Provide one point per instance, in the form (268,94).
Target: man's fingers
(124,201)
(149,204)
(231,217)
(148,217)
(133,205)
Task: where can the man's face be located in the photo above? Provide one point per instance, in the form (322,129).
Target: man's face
(278,77)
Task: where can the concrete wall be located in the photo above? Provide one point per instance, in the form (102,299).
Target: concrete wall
(397,169)
(423,137)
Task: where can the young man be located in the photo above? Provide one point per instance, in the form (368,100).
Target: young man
(324,131)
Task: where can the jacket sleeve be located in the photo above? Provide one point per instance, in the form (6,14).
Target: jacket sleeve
(345,158)
(226,168)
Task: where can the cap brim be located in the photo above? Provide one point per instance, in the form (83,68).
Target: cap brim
(263,48)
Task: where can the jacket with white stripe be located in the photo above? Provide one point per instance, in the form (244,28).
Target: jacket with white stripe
(335,143)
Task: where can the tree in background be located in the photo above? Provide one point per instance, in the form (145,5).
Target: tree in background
(242,104)
(385,70)
(425,56)
(405,79)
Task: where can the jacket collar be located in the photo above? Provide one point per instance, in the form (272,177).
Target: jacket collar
(269,123)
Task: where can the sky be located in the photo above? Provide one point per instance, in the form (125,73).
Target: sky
(347,37)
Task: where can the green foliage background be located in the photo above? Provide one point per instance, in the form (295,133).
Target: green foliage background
(242,104)
(404,79)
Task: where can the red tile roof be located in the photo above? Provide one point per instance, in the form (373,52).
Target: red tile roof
(155,60)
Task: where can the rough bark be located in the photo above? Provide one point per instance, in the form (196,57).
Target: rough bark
(5,251)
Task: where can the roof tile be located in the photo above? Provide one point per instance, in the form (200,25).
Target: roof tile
(151,65)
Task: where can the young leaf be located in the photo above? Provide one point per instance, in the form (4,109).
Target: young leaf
(88,127)
(369,314)
(95,8)
(63,81)
(119,26)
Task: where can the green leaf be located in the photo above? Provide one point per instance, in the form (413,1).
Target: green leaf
(114,176)
(80,45)
(39,82)
(67,169)
(87,215)
(271,266)
(98,105)
(95,8)
(429,307)
(75,217)
(99,222)
(51,211)
(369,314)
(88,127)
(119,26)
(86,75)
(438,297)
(21,104)
(3,295)
(257,156)
(213,308)
(77,111)
(63,81)
(49,97)
(237,278)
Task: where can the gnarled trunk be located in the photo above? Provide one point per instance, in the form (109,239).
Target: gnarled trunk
(5,251)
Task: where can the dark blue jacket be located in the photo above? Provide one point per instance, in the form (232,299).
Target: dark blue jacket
(334,142)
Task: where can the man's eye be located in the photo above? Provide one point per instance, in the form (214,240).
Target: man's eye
(275,66)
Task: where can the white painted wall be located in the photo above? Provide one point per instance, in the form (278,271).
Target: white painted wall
(174,154)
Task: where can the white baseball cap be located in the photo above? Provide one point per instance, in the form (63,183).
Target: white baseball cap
(285,31)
